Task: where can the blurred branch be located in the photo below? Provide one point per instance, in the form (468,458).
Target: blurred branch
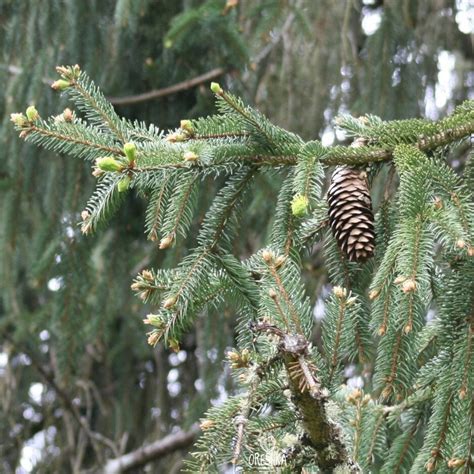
(135,99)
(67,403)
(151,451)
(180,86)
(275,40)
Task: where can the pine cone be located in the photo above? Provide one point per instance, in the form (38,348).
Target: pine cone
(350,213)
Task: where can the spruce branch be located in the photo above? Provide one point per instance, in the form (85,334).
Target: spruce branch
(90,100)
(325,436)
(416,364)
(273,263)
(74,139)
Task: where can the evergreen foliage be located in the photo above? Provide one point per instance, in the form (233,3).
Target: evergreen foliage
(290,400)
(80,390)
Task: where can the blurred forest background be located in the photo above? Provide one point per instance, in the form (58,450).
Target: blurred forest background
(78,383)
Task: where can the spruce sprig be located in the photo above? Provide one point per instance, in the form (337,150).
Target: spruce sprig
(419,410)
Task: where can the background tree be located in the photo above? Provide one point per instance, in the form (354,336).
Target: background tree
(84,401)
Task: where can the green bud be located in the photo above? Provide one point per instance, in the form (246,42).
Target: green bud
(123,184)
(130,152)
(216,88)
(187,125)
(109,163)
(173,344)
(31,113)
(60,85)
(299,205)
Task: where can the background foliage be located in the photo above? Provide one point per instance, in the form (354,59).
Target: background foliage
(72,334)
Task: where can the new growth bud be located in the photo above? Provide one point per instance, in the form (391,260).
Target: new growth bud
(96,172)
(374,294)
(268,256)
(206,424)
(130,152)
(31,113)
(339,292)
(456,462)
(154,320)
(190,156)
(272,293)
(409,285)
(166,242)
(187,126)
(60,85)
(216,88)
(299,205)
(108,163)
(354,397)
(438,203)
(124,184)
(147,275)
(176,137)
(18,119)
(279,261)
(68,115)
(238,360)
(173,344)
(153,338)
(69,71)
(399,279)
(169,302)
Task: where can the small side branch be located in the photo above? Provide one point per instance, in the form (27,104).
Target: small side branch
(242,420)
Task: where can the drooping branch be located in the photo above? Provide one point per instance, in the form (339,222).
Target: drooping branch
(152,451)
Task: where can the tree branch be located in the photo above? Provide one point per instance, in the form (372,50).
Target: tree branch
(66,401)
(152,451)
(311,400)
(135,99)
(156,93)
